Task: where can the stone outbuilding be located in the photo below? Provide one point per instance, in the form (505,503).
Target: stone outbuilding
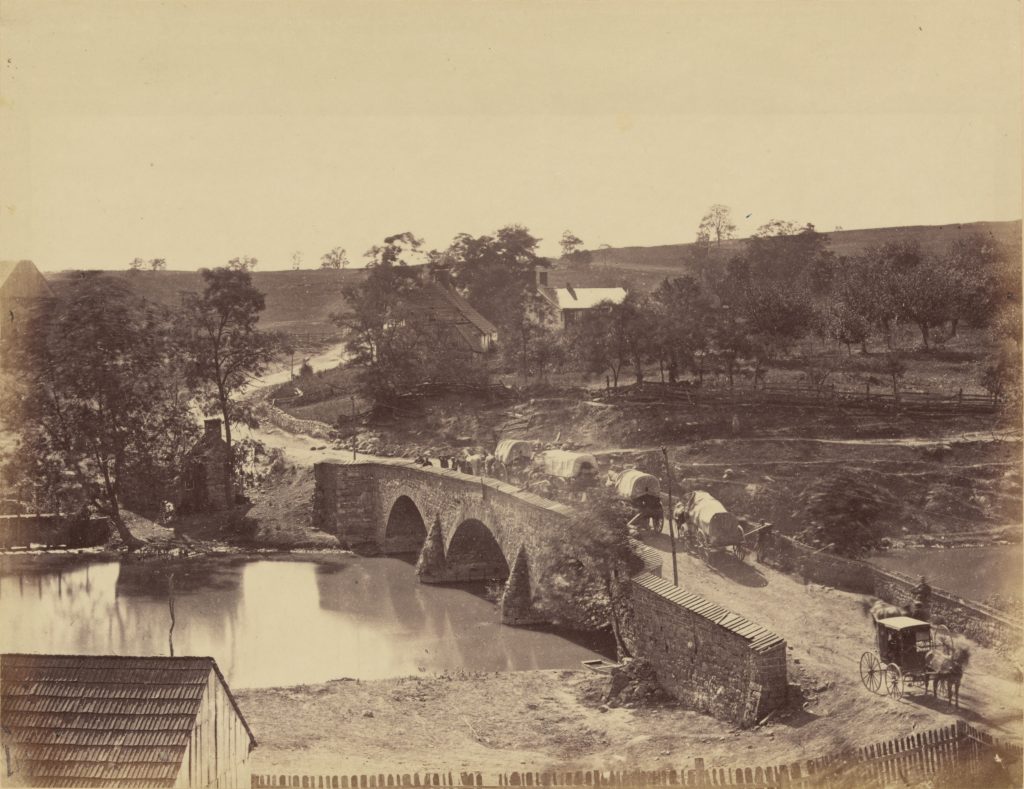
(204,481)
(103,721)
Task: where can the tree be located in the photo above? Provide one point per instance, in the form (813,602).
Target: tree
(136,264)
(926,296)
(243,263)
(570,243)
(786,252)
(839,321)
(383,339)
(844,512)
(717,224)
(592,562)
(335,259)
(224,349)
(158,264)
(533,346)
(100,417)
(296,261)
(496,273)
(981,276)
(680,311)
(611,336)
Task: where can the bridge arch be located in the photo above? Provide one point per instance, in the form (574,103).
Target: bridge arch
(474,554)
(405,530)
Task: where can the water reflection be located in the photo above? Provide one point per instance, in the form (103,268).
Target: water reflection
(273,622)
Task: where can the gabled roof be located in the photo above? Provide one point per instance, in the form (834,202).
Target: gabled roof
(28,273)
(445,305)
(83,720)
(583,298)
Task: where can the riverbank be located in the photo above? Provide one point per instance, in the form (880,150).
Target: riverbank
(540,720)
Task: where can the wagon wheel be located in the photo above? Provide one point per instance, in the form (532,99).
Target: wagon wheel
(739,550)
(702,547)
(895,681)
(871,671)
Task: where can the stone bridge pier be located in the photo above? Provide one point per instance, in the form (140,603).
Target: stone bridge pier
(462,528)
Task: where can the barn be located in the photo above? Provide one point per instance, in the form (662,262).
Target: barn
(20,284)
(84,720)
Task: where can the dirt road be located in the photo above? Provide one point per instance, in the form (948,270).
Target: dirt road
(827,631)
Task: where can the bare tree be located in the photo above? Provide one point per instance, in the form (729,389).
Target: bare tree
(717,223)
(335,259)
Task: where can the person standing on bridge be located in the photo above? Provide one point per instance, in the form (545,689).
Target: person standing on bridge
(922,597)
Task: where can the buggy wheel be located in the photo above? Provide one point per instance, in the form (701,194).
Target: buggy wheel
(895,681)
(871,671)
(739,550)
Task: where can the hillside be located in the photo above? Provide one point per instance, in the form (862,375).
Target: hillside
(299,302)
(932,238)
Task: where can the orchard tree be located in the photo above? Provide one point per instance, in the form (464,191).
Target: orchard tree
(839,321)
(335,259)
(296,261)
(136,265)
(158,264)
(243,263)
(100,416)
(592,563)
(680,311)
(224,349)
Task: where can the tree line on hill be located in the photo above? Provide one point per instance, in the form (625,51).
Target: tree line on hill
(783,295)
(104,388)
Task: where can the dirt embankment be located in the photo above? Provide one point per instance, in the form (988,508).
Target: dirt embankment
(543,720)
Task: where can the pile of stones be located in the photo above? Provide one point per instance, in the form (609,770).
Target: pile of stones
(634,684)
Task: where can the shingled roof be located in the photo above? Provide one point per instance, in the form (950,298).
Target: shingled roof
(98,721)
(444,305)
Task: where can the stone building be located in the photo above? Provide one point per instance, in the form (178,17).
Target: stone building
(204,481)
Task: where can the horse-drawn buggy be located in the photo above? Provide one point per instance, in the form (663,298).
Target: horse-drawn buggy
(707,527)
(913,652)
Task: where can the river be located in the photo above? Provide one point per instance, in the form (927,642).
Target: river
(273,623)
(974,572)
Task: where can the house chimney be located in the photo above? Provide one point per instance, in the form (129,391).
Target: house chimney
(212,427)
(568,287)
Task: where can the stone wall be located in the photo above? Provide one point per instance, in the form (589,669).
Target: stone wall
(976,620)
(710,659)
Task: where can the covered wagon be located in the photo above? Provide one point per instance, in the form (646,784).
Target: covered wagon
(643,491)
(578,467)
(513,451)
(707,526)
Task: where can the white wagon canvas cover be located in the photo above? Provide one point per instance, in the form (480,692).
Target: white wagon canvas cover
(510,450)
(634,483)
(705,512)
(565,464)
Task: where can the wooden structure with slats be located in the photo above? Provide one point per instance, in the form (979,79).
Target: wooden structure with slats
(99,721)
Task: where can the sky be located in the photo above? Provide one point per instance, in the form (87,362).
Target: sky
(201,131)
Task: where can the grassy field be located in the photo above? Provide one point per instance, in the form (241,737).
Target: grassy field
(299,302)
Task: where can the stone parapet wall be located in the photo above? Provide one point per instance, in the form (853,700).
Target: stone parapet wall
(710,659)
(975,620)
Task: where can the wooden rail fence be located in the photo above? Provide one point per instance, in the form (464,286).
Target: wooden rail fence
(959,749)
(923,402)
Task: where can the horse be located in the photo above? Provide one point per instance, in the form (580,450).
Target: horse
(946,662)
(879,609)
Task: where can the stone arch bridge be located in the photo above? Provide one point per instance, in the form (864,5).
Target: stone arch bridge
(463,528)
(476,528)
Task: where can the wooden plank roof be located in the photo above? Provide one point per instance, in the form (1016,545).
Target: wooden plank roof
(759,637)
(84,720)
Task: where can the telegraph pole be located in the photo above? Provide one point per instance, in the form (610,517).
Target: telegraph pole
(671,519)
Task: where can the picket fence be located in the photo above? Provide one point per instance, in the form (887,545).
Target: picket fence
(959,748)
